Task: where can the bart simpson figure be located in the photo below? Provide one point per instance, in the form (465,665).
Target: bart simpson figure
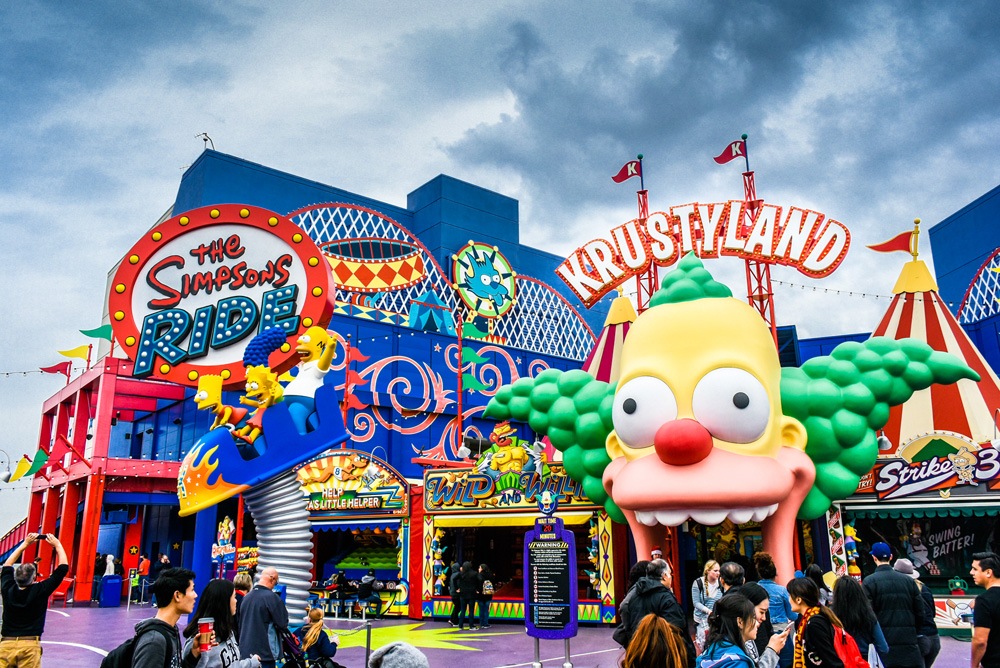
(315,349)
(209,397)
(262,391)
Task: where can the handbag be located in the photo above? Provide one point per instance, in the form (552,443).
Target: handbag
(874,660)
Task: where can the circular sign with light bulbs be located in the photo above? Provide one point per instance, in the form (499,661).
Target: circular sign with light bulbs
(192,293)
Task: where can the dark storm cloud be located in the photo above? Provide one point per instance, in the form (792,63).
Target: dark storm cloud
(718,69)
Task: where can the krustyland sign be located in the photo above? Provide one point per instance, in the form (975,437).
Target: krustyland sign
(799,238)
(195,289)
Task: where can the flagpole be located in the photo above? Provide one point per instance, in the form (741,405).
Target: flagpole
(746,151)
(642,185)
(90,349)
(916,233)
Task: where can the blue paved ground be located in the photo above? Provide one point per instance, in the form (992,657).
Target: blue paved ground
(80,637)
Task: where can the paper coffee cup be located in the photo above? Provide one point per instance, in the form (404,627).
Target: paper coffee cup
(205,627)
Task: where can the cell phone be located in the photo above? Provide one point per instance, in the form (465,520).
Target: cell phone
(43,536)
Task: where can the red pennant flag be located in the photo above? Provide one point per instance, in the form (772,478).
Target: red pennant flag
(354,355)
(354,378)
(738,149)
(630,169)
(354,402)
(900,242)
(62,367)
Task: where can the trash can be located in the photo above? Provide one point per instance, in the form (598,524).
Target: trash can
(111,591)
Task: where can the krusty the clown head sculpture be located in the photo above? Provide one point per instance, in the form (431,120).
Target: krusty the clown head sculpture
(704,423)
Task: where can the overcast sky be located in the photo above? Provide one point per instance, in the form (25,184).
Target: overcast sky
(873,113)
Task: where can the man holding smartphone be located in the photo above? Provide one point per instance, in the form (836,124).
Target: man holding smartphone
(24,604)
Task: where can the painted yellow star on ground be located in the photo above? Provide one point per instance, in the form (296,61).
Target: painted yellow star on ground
(428,638)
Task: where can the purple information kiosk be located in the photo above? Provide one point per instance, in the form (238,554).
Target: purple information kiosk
(550,587)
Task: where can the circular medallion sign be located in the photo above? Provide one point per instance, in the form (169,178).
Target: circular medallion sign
(193,292)
(484,279)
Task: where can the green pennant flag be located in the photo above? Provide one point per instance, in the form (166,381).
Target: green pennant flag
(102,332)
(470,382)
(40,459)
(470,355)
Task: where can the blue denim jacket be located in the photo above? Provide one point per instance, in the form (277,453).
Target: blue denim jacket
(780,605)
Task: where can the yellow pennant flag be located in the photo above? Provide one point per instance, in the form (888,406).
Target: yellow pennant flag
(22,467)
(79,351)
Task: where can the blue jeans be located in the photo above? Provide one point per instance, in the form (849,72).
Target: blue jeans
(484,611)
(377,600)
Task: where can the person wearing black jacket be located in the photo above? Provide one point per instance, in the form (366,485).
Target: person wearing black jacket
(814,634)
(468,582)
(652,595)
(899,608)
(928,639)
(453,570)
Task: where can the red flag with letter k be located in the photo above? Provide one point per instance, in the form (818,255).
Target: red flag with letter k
(630,169)
(737,149)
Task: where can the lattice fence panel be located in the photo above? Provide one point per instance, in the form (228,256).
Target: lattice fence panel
(982,300)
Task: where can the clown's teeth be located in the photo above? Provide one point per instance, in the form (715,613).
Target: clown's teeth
(705,516)
(671,518)
(741,515)
(649,519)
(709,516)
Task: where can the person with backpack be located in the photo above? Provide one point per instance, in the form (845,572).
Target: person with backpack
(484,595)
(218,602)
(24,604)
(157,643)
(854,610)
(705,591)
(816,632)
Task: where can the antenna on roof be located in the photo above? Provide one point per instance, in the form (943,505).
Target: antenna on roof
(205,138)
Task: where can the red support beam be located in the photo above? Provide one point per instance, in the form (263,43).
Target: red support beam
(50,513)
(416,565)
(759,290)
(133,544)
(81,420)
(34,522)
(67,529)
(88,538)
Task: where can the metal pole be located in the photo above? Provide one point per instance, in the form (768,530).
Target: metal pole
(567,663)
(368,641)
(537,663)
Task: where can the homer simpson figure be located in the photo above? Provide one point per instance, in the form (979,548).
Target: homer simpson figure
(315,349)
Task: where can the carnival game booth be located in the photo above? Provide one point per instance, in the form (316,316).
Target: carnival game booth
(480,514)
(932,494)
(359,510)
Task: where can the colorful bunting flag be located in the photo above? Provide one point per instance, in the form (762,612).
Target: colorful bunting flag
(22,467)
(628,170)
(470,355)
(83,352)
(102,332)
(470,382)
(62,367)
(738,149)
(900,242)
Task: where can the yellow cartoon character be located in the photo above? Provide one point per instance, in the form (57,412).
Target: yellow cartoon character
(262,391)
(964,463)
(209,398)
(315,349)
(509,456)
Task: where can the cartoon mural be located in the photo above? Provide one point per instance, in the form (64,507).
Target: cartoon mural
(650,448)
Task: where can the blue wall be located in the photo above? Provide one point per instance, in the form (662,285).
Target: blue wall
(962,242)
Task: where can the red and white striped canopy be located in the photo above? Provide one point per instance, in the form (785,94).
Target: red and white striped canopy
(964,408)
(604,361)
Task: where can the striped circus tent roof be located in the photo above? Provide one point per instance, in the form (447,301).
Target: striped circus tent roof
(965,408)
(604,360)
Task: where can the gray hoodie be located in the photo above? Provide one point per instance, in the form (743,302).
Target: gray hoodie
(152,649)
(224,655)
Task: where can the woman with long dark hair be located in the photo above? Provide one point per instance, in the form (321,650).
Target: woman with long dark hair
(468,581)
(815,573)
(317,645)
(814,634)
(731,625)
(655,644)
(852,607)
(218,601)
(484,595)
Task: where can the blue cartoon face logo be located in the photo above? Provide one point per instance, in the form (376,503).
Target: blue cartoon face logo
(484,279)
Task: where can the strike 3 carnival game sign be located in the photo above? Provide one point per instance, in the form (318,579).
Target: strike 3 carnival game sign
(795,237)
(190,295)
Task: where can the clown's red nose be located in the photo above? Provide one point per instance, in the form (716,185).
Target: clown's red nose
(682,442)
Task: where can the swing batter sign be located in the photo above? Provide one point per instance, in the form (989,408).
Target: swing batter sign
(194,290)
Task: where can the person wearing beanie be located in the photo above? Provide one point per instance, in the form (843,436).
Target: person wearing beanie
(398,655)
(928,639)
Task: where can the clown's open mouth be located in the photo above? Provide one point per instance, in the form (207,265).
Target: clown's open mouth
(706,516)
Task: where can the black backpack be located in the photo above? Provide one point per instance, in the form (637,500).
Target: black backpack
(291,649)
(121,656)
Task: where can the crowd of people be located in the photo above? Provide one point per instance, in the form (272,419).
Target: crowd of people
(886,621)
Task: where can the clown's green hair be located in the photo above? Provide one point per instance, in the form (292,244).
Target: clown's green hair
(842,400)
